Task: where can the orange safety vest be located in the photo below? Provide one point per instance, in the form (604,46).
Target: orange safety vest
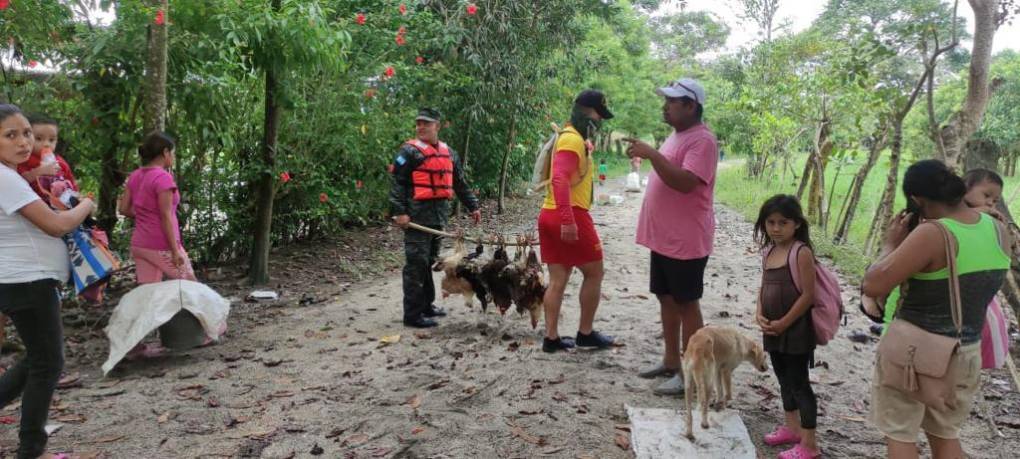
(433,178)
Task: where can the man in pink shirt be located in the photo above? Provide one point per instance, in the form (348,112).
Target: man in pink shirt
(677,221)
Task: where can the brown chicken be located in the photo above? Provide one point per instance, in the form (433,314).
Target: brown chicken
(529,291)
(462,274)
(496,281)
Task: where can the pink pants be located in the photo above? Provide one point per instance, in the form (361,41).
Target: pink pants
(152,265)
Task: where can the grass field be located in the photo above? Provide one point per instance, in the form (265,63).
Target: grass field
(734,189)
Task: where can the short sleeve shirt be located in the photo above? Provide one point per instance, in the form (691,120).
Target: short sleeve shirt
(581,193)
(145,185)
(27,254)
(682,225)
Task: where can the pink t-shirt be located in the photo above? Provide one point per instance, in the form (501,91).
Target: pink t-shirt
(145,185)
(682,225)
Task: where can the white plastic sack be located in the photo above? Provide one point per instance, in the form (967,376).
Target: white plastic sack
(147,307)
(633,182)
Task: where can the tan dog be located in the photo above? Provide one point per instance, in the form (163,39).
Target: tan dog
(709,360)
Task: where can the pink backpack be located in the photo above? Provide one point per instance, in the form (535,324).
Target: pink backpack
(828,308)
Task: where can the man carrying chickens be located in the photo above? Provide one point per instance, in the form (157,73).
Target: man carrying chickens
(426,175)
(566,232)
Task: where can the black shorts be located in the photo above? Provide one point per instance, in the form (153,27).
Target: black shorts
(684,280)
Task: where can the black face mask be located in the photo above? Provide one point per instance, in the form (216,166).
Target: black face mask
(584,124)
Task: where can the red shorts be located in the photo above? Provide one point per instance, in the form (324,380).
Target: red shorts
(586,249)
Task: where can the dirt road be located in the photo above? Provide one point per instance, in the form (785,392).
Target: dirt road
(293,381)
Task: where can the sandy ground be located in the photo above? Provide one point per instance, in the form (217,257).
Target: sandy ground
(315,380)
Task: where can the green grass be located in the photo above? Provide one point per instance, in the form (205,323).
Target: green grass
(734,189)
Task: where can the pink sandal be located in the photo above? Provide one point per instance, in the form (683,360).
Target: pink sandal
(782,436)
(799,452)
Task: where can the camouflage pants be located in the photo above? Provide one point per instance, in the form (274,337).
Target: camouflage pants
(420,250)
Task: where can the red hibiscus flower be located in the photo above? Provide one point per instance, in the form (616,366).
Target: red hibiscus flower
(360,19)
(160,17)
(4,4)
(369,93)
(389,72)
(359,184)
(472,9)
(284,177)
(403,9)
(420,60)
(323,198)
(33,63)
(400,40)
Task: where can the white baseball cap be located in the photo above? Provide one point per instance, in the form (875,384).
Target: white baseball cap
(684,87)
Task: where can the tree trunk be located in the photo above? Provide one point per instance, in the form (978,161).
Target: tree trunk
(832,192)
(823,148)
(962,124)
(266,185)
(806,176)
(884,212)
(154,118)
(506,163)
(854,199)
(463,161)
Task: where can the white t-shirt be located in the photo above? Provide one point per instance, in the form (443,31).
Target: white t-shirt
(26,253)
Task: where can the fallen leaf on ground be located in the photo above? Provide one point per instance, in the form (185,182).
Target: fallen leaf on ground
(282,394)
(68,381)
(623,427)
(559,380)
(551,451)
(519,432)
(355,440)
(391,339)
(851,418)
(163,418)
(623,441)
(529,412)
(413,401)
(71,418)
(438,384)
(272,362)
(559,397)
(417,430)
(423,335)
(110,439)
(212,402)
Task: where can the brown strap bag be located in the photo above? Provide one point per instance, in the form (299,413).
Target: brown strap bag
(917,362)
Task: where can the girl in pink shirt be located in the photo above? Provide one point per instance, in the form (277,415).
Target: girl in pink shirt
(151,199)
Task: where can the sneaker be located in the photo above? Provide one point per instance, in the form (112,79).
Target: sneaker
(782,436)
(558,344)
(656,371)
(799,452)
(672,386)
(420,322)
(434,311)
(594,340)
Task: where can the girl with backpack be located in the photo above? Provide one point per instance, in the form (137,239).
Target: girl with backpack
(784,314)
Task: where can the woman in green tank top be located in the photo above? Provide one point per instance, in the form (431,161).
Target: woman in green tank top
(918,259)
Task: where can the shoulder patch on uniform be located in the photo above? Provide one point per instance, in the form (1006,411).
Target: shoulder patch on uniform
(401,160)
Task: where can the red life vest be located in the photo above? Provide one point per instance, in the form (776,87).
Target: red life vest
(433,178)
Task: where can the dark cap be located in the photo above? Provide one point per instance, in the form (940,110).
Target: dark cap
(594,99)
(429,114)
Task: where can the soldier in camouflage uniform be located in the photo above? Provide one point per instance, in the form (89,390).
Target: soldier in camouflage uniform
(426,176)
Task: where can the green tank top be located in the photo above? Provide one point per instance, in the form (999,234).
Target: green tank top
(982,265)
